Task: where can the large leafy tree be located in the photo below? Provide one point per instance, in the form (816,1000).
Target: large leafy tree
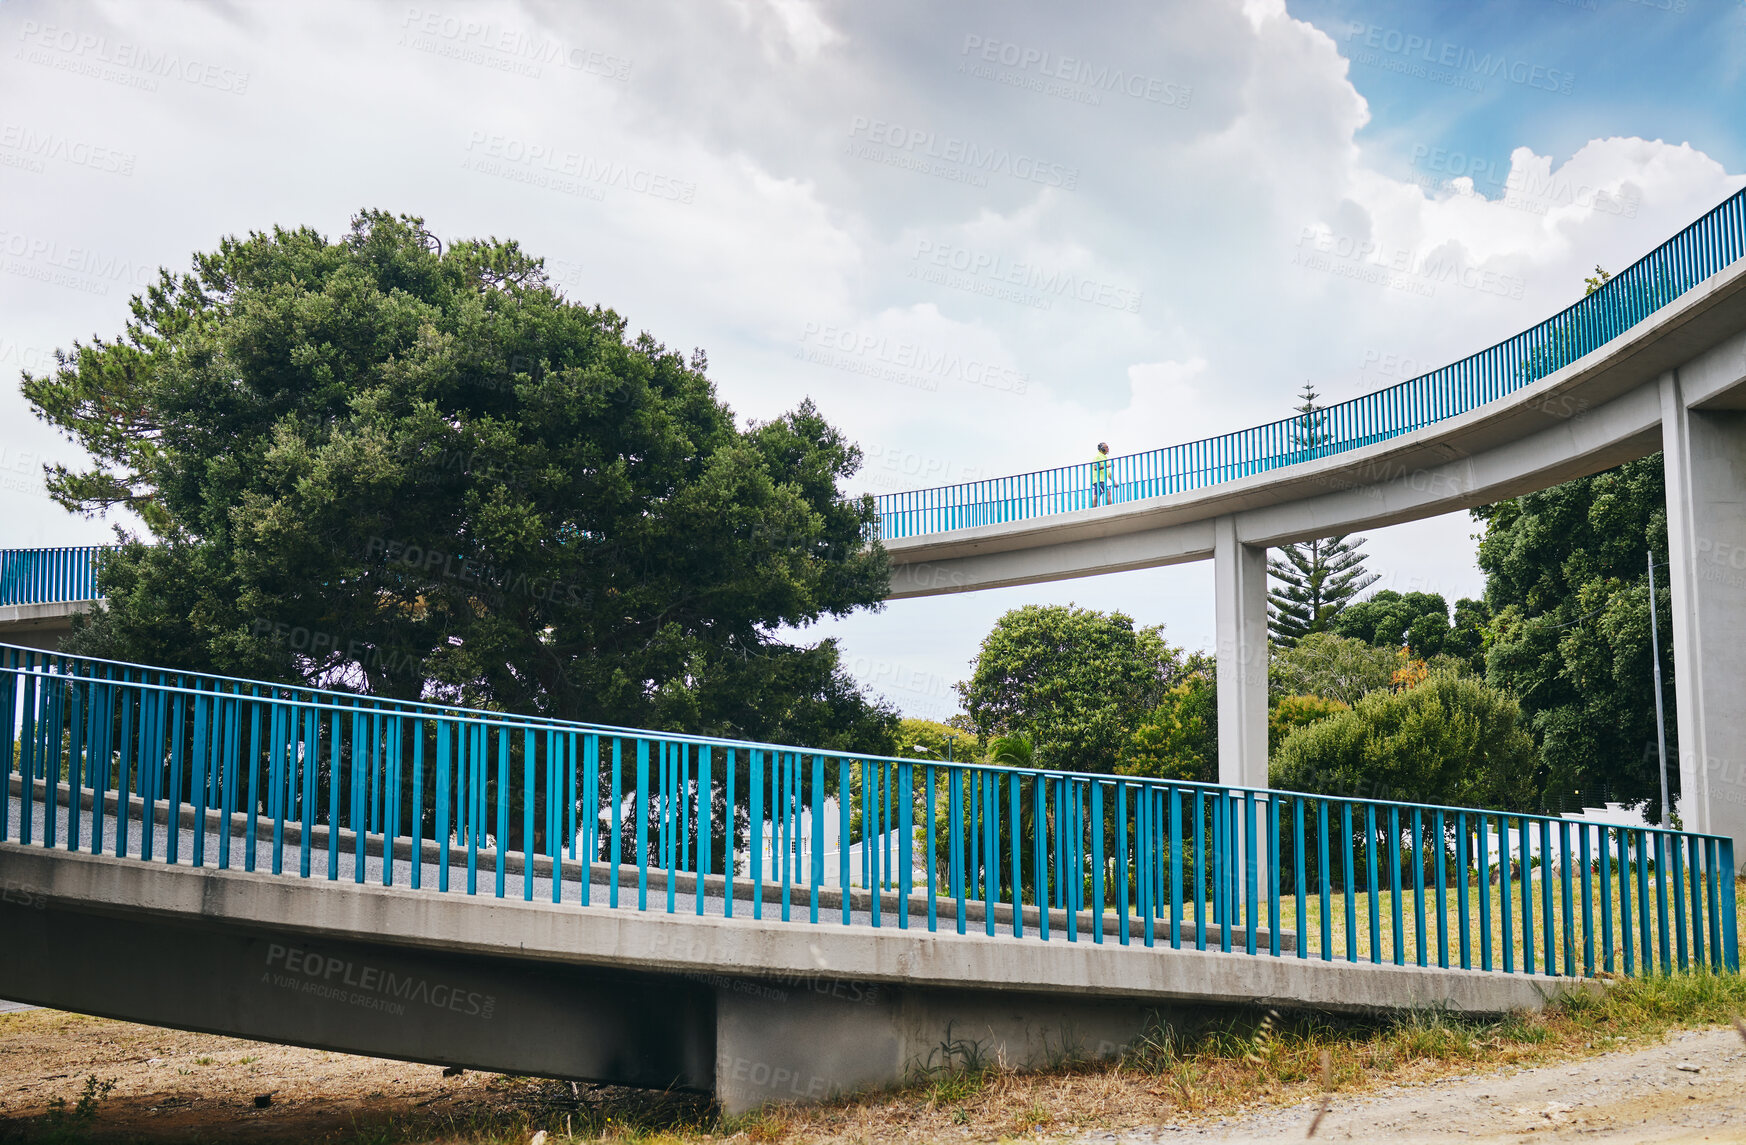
(1178,739)
(1450,739)
(1333,667)
(414,470)
(1316,578)
(1566,576)
(1419,622)
(1073,681)
(933,740)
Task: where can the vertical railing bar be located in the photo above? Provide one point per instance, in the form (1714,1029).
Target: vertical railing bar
(844,780)
(1175,844)
(818,837)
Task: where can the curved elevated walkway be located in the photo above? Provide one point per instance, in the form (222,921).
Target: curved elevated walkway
(1600,411)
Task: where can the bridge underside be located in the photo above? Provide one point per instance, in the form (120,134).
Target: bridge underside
(40,625)
(751,1011)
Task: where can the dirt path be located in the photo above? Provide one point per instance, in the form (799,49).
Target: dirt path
(170,1086)
(173,1085)
(1692,1088)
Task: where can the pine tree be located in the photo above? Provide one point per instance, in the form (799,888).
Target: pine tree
(1320,577)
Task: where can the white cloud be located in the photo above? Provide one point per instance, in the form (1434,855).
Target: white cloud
(1165,400)
(1171,288)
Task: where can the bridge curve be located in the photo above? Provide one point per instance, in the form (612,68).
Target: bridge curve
(1570,396)
(1653,360)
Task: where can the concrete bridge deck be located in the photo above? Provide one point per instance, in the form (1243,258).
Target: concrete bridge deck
(40,625)
(1604,409)
(751,1010)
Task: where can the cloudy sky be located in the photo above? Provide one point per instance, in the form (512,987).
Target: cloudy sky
(982,234)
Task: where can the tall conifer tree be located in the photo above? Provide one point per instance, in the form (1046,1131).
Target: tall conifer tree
(1317,579)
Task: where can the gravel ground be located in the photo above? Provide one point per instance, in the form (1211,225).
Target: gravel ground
(176,1086)
(1692,1088)
(172,1086)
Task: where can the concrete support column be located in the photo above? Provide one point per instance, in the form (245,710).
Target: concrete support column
(1240,613)
(1705,456)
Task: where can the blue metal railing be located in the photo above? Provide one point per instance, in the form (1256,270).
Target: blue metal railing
(50,576)
(1686,260)
(180,767)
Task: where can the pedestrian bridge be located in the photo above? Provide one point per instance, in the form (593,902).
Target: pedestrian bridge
(1653,360)
(766,922)
(771,922)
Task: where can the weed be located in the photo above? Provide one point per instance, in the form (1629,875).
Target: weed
(1034,1116)
(954,1070)
(63,1123)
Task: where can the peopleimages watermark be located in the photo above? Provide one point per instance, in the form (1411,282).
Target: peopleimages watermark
(1398,268)
(474,570)
(315,643)
(883,673)
(23,894)
(15,356)
(79,268)
(1520,188)
(1064,77)
(502,48)
(326,978)
(1719,561)
(1393,365)
(902,362)
(774,1079)
(20,469)
(1027,283)
(28,149)
(569,172)
(951,157)
(692,948)
(903,467)
(563,274)
(123,62)
(1451,64)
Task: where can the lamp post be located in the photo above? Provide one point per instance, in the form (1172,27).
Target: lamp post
(1660,720)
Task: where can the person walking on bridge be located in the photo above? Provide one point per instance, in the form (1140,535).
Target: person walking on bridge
(1102,469)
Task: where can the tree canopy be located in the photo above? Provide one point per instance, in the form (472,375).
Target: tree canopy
(1566,575)
(1178,739)
(1332,667)
(1450,739)
(1418,622)
(931,739)
(1073,681)
(413,470)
